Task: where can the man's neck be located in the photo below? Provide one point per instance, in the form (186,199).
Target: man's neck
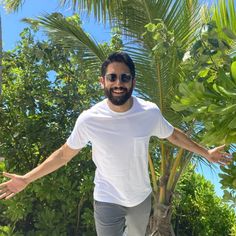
(122,108)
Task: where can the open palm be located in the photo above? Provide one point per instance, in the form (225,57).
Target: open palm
(10,188)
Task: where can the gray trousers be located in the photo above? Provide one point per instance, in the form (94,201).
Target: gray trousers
(116,220)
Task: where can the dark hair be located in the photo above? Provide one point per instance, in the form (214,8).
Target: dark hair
(121,57)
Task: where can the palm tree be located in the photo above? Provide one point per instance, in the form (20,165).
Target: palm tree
(158,75)
(158,54)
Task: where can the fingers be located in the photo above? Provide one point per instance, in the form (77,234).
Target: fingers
(225,159)
(228,155)
(3,185)
(10,196)
(8,175)
(220,148)
(2,196)
(7,195)
(3,192)
(222,163)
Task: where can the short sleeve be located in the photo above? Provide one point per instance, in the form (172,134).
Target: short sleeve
(79,136)
(162,128)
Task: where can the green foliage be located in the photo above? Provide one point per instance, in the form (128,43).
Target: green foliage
(198,211)
(157,78)
(228,182)
(67,32)
(214,97)
(45,88)
(6,231)
(233,70)
(209,94)
(224,14)
(165,42)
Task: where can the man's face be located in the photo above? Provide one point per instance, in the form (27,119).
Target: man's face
(118,83)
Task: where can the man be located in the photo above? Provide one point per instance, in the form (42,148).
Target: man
(119,129)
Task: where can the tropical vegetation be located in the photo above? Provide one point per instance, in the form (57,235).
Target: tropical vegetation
(158,34)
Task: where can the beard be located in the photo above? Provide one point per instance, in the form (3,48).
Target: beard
(118,100)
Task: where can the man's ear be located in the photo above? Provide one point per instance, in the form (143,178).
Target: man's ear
(102,82)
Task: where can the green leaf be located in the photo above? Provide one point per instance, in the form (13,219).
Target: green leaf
(230,139)
(229,109)
(178,106)
(233,70)
(2,166)
(203,73)
(150,27)
(232,124)
(229,33)
(214,108)
(211,79)
(224,92)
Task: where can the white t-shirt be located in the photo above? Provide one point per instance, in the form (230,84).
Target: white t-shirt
(120,148)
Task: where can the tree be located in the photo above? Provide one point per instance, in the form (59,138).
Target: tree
(213,79)
(37,112)
(197,209)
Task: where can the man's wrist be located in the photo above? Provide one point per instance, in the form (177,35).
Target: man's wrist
(207,154)
(204,152)
(27,179)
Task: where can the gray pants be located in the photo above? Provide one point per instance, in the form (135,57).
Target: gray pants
(116,220)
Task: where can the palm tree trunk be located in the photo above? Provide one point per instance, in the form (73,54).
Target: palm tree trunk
(160,221)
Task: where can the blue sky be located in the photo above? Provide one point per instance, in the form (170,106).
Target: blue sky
(12,26)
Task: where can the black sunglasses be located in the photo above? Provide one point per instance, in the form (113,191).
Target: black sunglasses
(124,78)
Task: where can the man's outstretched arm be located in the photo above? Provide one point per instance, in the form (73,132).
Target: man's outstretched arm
(19,182)
(216,155)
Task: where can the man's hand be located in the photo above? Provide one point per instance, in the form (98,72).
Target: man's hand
(10,188)
(215,155)
(219,156)
(18,182)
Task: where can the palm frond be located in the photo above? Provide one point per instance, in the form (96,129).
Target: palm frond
(71,35)
(224,14)
(102,10)
(12,5)
(133,15)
